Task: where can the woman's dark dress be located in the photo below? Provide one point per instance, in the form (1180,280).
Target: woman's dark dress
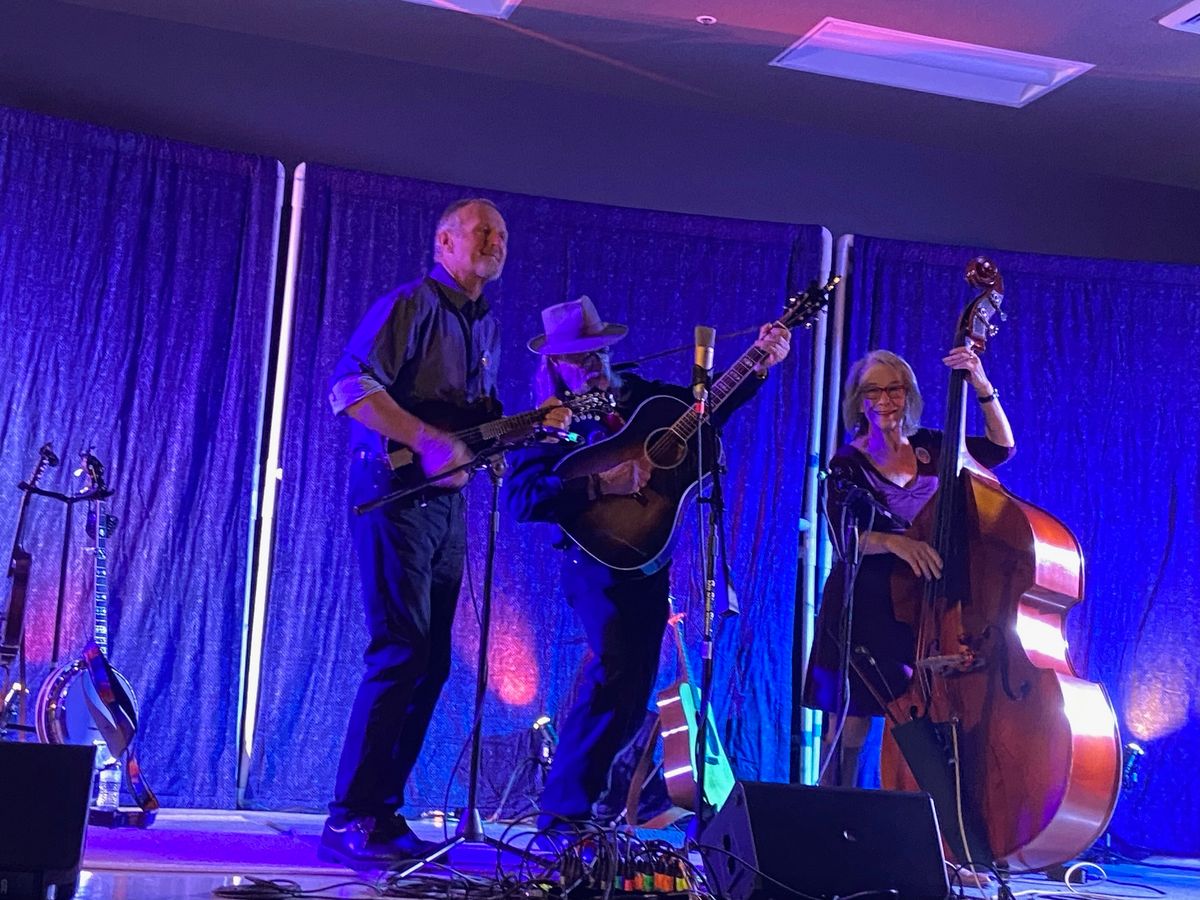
(874,626)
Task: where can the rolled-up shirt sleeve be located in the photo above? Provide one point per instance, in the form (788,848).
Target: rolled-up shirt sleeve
(347,391)
(382,343)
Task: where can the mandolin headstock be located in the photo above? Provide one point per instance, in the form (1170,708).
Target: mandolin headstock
(592,402)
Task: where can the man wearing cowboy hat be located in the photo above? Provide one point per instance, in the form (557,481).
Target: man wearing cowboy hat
(433,340)
(624,614)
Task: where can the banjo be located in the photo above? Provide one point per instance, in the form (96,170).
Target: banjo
(87,701)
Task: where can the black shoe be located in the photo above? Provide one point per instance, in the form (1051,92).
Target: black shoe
(367,844)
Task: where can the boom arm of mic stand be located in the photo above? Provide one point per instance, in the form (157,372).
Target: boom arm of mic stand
(400,494)
(485,459)
(855,493)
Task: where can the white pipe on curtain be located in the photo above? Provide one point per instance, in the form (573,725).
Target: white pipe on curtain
(824,439)
(810,531)
(254,625)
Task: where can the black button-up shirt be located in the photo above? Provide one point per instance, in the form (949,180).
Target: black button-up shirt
(424,341)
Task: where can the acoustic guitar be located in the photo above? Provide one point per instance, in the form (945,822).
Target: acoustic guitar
(678,725)
(636,532)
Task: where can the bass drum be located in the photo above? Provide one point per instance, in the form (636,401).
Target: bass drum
(68,707)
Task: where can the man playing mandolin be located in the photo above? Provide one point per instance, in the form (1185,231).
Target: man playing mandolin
(433,340)
(624,613)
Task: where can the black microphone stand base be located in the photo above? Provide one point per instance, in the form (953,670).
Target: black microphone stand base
(469,831)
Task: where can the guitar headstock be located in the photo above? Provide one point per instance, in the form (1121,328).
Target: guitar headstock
(92,472)
(802,308)
(975,325)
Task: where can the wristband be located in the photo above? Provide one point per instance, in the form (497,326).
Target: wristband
(994,395)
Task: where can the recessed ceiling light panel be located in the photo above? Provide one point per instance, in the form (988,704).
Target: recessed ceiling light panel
(921,63)
(1186,18)
(495,9)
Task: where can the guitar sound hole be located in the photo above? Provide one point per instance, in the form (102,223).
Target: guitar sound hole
(665,449)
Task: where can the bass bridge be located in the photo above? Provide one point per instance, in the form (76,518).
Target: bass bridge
(967,659)
(948,664)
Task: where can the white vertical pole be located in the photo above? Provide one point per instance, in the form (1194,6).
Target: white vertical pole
(809,523)
(831,406)
(255,624)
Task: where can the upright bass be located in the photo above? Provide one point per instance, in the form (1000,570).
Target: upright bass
(1021,755)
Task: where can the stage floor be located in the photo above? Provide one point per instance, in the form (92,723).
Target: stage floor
(188,853)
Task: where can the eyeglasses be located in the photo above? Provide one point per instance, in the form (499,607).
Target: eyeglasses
(894,391)
(583,359)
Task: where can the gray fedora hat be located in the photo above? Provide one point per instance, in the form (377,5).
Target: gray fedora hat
(575,327)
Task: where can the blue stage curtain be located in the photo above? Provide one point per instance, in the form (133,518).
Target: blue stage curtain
(659,273)
(135,292)
(1094,365)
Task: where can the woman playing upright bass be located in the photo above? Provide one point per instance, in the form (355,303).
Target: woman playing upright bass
(882,477)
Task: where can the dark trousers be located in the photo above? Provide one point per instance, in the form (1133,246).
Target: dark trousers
(624,619)
(411,560)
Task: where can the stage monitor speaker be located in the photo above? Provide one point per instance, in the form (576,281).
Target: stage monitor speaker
(823,842)
(45,790)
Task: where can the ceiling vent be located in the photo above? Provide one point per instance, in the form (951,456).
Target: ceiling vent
(493,9)
(921,63)
(1186,18)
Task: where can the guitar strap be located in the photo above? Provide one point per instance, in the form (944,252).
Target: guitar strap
(641,774)
(116,718)
(145,797)
(115,715)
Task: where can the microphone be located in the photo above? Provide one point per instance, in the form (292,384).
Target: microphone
(858,498)
(703,364)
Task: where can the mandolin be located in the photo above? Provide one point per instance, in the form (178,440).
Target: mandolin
(481,429)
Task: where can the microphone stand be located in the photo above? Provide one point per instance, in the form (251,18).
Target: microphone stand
(470,823)
(861,507)
(483,460)
(709,558)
